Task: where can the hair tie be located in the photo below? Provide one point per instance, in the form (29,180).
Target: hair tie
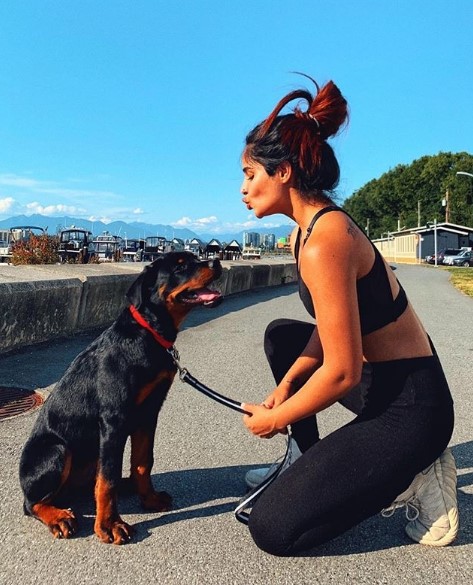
(312,117)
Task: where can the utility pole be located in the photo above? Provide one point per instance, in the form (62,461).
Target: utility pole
(446,204)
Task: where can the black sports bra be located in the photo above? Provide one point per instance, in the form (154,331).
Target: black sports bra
(376,305)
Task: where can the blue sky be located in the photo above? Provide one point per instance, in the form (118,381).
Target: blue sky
(137,110)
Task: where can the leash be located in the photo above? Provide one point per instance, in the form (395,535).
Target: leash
(240,511)
(187,377)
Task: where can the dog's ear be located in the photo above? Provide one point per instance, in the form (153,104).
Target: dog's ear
(140,290)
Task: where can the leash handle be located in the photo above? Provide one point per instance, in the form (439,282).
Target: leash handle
(189,379)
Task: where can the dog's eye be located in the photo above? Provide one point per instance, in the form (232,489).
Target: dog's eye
(180,267)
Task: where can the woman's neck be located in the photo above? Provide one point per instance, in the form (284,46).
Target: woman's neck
(303,212)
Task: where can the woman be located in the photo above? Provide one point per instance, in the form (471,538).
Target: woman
(364,325)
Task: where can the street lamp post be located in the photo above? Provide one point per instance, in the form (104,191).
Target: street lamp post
(429,225)
(465,174)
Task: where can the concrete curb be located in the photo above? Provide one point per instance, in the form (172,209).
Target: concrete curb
(40,303)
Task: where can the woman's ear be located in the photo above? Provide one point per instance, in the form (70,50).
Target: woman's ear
(284,172)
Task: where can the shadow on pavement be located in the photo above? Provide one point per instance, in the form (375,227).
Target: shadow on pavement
(198,493)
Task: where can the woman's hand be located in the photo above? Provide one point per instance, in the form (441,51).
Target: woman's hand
(277,396)
(261,421)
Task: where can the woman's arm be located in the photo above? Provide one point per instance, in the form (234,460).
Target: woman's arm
(304,366)
(301,370)
(329,266)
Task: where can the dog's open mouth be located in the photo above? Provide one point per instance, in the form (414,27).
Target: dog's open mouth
(202,296)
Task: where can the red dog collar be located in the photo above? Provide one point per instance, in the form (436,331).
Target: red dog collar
(142,321)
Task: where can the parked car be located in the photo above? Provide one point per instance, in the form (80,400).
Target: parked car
(465,258)
(442,254)
(75,245)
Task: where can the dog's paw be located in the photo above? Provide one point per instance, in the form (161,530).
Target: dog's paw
(64,524)
(156,501)
(116,532)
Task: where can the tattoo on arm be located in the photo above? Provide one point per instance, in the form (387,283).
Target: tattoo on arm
(351,230)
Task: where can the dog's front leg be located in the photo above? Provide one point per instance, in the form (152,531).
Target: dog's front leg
(142,441)
(109,527)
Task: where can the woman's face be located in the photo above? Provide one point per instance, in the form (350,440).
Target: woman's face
(262,193)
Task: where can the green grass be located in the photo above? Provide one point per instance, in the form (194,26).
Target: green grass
(462,279)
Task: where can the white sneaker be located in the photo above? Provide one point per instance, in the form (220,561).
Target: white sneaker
(432,497)
(255,476)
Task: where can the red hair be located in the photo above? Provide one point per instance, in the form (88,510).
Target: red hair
(301,137)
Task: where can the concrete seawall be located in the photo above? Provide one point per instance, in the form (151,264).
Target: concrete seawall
(40,303)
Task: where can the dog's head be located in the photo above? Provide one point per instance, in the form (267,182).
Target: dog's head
(178,281)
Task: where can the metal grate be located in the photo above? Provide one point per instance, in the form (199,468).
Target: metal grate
(15,401)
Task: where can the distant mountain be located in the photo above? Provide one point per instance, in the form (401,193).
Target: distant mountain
(118,228)
(132,230)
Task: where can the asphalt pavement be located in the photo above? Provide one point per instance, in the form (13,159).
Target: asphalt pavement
(203,451)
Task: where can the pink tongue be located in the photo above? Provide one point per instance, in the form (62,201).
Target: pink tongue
(208,295)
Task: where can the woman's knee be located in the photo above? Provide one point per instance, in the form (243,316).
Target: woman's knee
(267,534)
(274,328)
(281,334)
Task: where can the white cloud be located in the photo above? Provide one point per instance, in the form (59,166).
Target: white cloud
(101,218)
(193,224)
(183,222)
(138,211)
(59,209)
(6,204)
(207,220)
(211,225)
(55,189)
(22,182)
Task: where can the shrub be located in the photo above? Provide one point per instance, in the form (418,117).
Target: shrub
(36,250)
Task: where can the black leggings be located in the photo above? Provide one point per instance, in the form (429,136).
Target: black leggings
(404,422)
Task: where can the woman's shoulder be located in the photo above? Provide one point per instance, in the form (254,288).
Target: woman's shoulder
(336,240)
(335,229)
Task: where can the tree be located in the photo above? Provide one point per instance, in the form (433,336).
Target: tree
(396,197)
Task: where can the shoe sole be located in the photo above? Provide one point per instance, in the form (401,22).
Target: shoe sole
(451,535)
(423,537)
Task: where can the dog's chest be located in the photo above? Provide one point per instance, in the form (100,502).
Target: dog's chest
(160,384)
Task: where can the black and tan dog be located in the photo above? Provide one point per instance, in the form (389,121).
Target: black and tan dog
(114,390)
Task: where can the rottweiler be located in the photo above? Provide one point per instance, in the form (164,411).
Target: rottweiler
(113,390)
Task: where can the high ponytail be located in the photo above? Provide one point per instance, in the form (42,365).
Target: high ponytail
(301,139)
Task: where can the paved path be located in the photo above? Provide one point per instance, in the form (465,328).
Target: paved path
(203,452)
